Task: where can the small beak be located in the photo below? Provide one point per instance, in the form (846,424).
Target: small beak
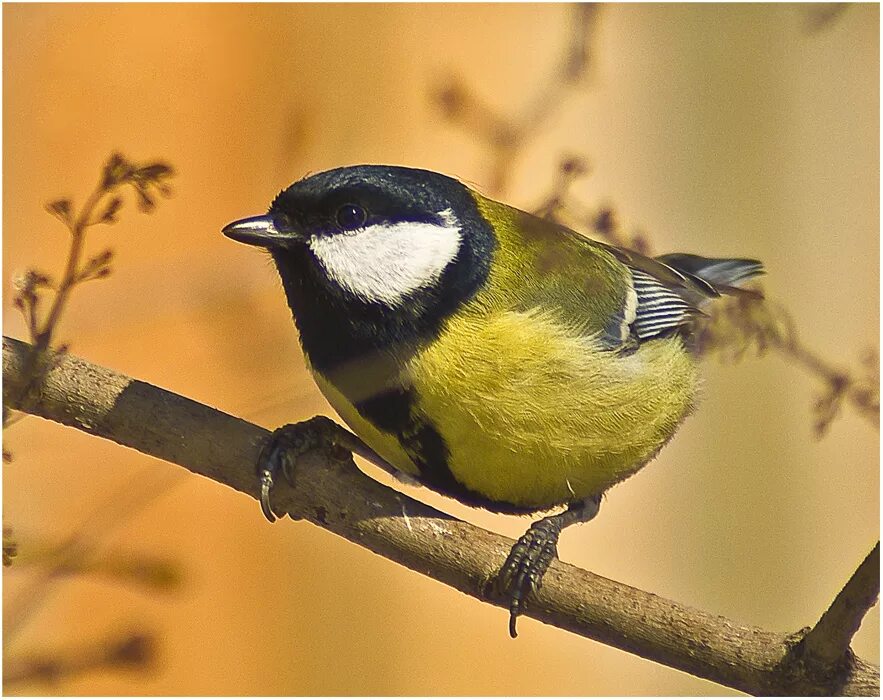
(260,231)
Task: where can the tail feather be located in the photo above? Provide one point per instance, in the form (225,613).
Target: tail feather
(723,274)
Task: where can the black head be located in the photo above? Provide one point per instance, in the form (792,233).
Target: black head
(372,256)
(359,196)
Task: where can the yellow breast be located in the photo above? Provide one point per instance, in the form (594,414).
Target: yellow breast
(534,414)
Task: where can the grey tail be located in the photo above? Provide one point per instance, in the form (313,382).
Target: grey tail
(723,275)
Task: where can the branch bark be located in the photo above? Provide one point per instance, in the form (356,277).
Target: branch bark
(335,495)
(828,642)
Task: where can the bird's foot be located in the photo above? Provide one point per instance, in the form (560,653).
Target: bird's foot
(530,557)
(287,444)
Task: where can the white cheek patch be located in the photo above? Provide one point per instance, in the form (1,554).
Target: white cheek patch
(386,262)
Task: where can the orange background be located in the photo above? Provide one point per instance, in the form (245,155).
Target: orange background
(720,130)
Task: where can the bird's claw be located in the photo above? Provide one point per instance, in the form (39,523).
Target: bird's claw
(266,479)
(285,446)
(522,573)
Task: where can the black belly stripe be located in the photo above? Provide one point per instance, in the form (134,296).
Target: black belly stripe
(393,412)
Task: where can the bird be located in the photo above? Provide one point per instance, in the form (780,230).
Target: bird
(496,357)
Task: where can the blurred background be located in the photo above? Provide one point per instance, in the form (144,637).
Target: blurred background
(746,130)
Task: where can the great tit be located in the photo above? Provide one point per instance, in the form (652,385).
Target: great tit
(493,356)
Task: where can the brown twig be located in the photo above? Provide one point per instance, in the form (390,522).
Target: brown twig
(132,651)
(507,136)
(738,324)
(71,276)
(145,571)
(77,554)
(820,16)
(10,546)
(560,206)
(335,495)
(827,644)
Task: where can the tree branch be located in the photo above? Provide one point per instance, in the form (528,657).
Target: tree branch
(828,642)
(338,497)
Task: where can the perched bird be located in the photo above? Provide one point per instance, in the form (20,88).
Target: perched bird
(496,357)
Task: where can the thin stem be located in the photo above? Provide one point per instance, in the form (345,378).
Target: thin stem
(71,269)
(118,509)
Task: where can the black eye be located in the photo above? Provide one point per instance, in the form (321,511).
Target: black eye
(281,222)
(351,216)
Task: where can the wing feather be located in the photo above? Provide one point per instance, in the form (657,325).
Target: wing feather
(672,288)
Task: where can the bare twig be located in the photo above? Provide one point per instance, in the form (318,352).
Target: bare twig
(154,574)
(827,643)
(77,553)
(338,497)
(133,651)
(507,136)
(820,16)
(10,546)
(560,206)
(737,324)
